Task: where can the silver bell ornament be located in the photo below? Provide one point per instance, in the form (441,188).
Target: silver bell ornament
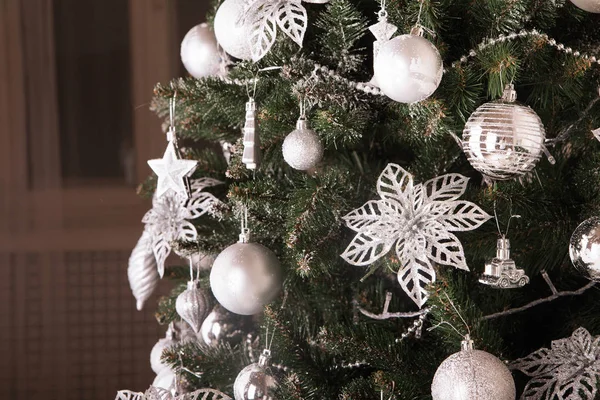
(302,148)
(200,53)
(245,277)
(592,6)
(408,68)
(503,139)
(472,375)
(584,248)
(255,382)
(193,305)
(156,353)
(501,271)
(232,31)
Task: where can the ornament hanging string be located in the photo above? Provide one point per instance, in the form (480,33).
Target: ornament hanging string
(509,219)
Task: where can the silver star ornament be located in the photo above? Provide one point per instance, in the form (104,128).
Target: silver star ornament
(418,221)
(171,172)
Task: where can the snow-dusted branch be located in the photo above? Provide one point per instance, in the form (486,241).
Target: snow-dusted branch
(555,295)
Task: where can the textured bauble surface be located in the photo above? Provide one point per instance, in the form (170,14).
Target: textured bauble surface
(193,305)
(473,375)
(408,68)
(503,140)
(302,148)
(165,379)
(155,355)
(231,33)
(592,6)
(142,270)
(199,52)
(584,248)
(254,383)
(245,277)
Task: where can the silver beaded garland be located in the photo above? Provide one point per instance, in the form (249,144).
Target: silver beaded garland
(302,148)
(503,139)
(584,248)
(472,375)
(193,305)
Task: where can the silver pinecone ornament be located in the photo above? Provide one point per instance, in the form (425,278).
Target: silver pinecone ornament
(193,305)
(142,270)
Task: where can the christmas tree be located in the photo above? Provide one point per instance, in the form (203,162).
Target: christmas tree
(373,155)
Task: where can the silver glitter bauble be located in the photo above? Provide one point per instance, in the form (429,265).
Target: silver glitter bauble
(217,326)
(584,248)
(156,353)
(255,382)
(193,305)
(199,52)
(408,68)
(473,375)
(245,277)
(592,6)
(302,148)
(503,139)
(232,33)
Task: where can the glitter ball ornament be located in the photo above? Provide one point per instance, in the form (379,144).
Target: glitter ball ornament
(193,305)
(584,248)
(245,277)
(156,354)
(408,68)
(231,31)
(503,139)
(302,148)
(199,52)
(592,6)
(472,375)
(255,382)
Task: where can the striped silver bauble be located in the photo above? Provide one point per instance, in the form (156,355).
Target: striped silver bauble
(504,139)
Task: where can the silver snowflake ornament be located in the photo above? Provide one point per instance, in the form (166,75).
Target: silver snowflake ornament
(171,171)
(267,16)
(569,370)
(154,393)
(168,220)
(418,220)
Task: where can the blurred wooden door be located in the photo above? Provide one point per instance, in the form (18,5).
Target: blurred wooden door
(75,133)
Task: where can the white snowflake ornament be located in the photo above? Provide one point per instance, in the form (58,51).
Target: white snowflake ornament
(171,171)
(418,220)
(569,370)
(168,220)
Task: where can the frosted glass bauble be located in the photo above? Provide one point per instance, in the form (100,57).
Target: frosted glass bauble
(199,52)
(302,148)
(592,6)
(232,34)
(408,68)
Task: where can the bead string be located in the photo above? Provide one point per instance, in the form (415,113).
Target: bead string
(416,328)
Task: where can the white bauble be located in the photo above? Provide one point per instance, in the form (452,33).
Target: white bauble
(592,6)
(408,68)
(584,248)
(231,33)
(473,375)
(199,52)
(245,277)
(155,355)
(302,148)
(165,379)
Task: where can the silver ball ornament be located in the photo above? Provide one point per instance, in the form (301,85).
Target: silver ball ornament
(302,148)
(245,277)
(217,325)
(584,248)
(473,375)
(156,353)
(193,305)
(408,68)
(203,261)
(255,382)
(592,6)
(199,52)
(232,34)
(503,139)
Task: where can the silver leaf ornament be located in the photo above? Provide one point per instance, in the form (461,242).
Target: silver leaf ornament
(418,221)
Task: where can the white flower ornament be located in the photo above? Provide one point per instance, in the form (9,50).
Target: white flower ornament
(418,220)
